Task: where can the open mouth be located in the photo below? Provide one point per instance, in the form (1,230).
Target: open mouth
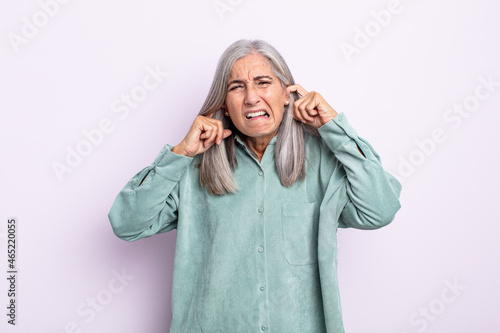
(255,114)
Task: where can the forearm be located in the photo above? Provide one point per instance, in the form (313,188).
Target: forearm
(148,203)
(373,194)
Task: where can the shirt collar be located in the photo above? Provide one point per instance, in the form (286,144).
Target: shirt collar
(242,142)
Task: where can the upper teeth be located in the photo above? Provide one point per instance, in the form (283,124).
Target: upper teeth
(256,114)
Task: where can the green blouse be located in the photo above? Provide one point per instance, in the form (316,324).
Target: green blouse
(263,259)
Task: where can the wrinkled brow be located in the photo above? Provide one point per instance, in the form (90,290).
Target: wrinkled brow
(257,78)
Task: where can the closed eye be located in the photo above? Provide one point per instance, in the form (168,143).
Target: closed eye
(235,87)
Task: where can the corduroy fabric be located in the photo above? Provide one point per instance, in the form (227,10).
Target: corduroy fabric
(263,259)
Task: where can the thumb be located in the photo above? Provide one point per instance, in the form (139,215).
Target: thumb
(226,133)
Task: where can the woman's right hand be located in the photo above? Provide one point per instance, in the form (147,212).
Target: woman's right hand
(204,132)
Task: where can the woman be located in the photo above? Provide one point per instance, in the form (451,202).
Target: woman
(256,190)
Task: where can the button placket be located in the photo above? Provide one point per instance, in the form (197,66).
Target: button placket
(261,287)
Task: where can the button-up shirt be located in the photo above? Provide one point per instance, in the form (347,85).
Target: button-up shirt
(263,259)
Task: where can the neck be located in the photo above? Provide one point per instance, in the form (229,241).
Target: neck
(259,145)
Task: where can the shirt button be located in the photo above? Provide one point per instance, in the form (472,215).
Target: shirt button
(261,209)
(263,327)
(260,249)
(262,288)
(261,173)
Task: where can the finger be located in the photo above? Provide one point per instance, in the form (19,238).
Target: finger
(227,133)
(311,107)
(209,140)
(204,135)
(303,116)
(210,115)
(297,88)
(298,115)
(306,114)
(218,128)
(212,135)
(301,108)
(205,128)
(220,133)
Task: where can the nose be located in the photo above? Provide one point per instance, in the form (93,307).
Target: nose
(251,95)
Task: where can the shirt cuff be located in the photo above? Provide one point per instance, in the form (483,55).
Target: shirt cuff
(170,165)
(337,132)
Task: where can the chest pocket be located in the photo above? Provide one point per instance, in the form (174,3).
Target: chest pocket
(300,232)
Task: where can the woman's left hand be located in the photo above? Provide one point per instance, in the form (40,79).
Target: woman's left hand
(311,108)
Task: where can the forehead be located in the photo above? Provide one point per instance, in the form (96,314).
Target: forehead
(251,66)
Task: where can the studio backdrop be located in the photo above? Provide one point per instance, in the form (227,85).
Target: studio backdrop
(91,91)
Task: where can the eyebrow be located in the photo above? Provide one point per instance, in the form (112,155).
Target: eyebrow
(257,78)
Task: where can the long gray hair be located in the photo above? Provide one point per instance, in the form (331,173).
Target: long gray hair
(218,163)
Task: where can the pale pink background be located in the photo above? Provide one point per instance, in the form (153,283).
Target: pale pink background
(394,92)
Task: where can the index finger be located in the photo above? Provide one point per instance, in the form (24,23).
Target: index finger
(297,88)
(210,114)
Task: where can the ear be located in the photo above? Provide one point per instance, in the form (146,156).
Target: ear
(223,108)
(286,95)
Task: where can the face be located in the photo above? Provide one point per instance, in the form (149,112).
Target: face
(255,99)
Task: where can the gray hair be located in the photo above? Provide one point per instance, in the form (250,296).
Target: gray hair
(218,163)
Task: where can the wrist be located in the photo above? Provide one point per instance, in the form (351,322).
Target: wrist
(328,118)
(179,150)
